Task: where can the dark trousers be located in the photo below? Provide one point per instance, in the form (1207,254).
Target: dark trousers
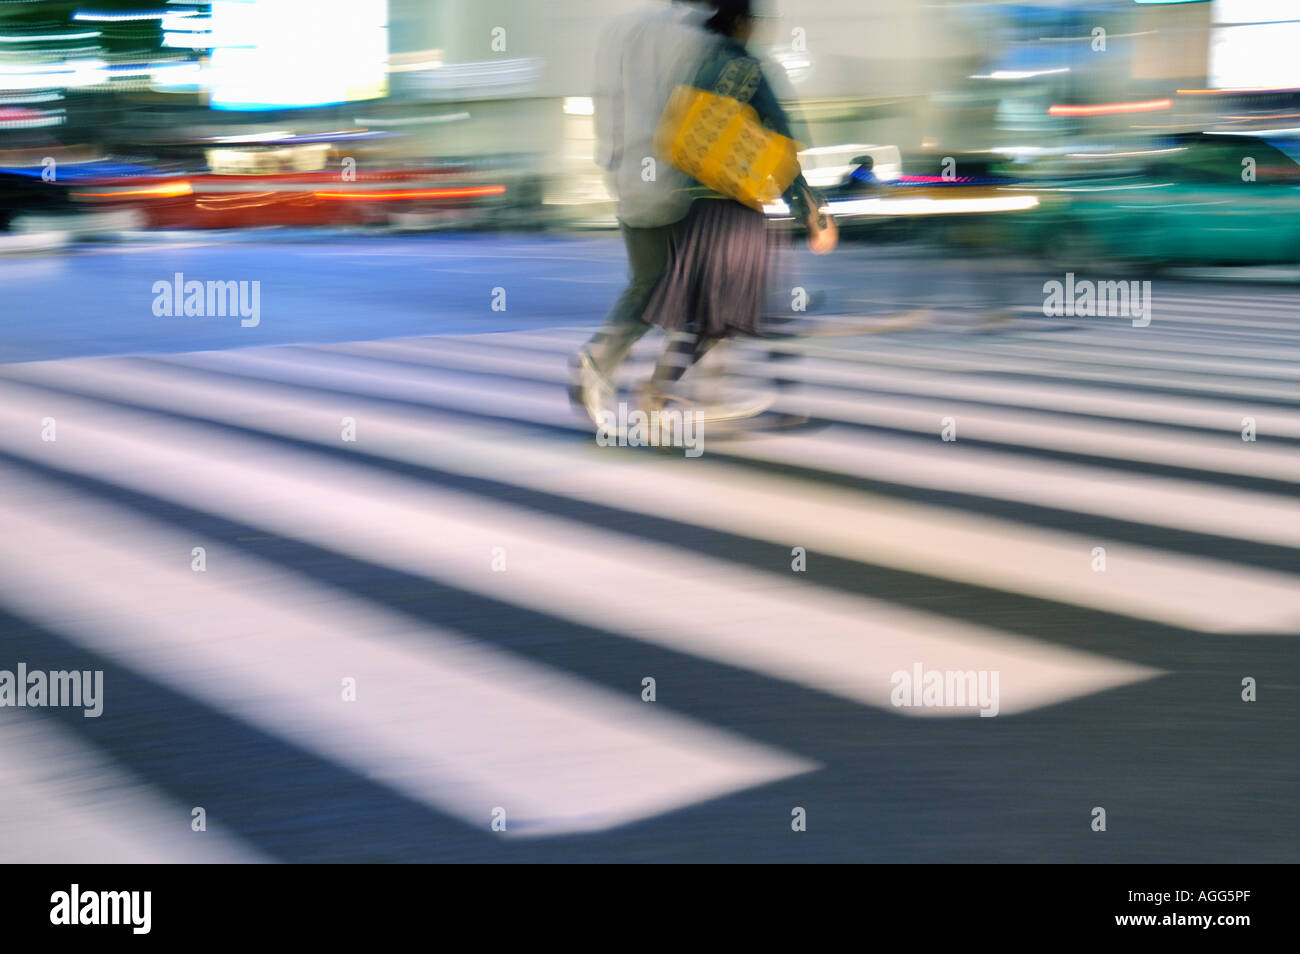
(647,258)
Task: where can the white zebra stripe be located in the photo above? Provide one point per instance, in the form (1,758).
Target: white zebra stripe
(1194,592)
(479,352)
(847,645)
(1215,414)
(1025,428)
(1107,492)
(65,803)
(437,717)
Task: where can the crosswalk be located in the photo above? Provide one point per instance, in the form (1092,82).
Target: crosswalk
(406,562)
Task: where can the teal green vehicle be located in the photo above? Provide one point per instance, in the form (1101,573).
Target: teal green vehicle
(1199,199)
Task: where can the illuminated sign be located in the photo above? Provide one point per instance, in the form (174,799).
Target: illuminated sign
(1253,44)
(284,54)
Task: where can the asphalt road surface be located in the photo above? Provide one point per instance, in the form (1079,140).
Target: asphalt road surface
(363,588)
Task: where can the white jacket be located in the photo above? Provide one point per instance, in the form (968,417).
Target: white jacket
(642,56)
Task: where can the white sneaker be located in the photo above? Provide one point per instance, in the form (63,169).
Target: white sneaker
(738,409)
(590,390)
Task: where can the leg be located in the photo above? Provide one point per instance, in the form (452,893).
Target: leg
(596,363)
(647,256)
(682,352)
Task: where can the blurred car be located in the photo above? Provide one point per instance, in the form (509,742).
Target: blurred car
(259,181)
(949,198)
(1193,199)
(46,198)
(831,167)
(22,190)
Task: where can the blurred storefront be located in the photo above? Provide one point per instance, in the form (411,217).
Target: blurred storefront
(294,86)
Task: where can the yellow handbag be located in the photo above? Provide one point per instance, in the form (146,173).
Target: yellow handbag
(719,141)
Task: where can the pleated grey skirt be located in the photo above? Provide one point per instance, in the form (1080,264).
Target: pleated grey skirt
(720,259)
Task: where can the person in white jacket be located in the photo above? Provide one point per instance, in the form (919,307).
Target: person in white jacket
(641,58)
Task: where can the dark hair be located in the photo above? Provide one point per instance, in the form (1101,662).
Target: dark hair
(728,13)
